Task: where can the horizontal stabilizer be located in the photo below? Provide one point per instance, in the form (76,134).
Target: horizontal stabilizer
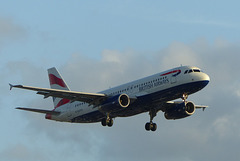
(39,110)
(201,106)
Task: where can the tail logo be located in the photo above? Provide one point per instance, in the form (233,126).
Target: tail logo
(62,102)
(55,80)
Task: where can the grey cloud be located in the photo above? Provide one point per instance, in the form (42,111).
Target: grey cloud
(9,30)
(207,22)
(179,53)
(204,136)
(27,73)
(113,69)
(20,152)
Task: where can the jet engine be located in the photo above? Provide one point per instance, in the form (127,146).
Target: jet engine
(115,103)
(179,111)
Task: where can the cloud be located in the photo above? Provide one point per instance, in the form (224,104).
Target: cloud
(207,22)
(20,152)
(179,53)
(227,126)
(112,69)
(24,71)
(203,136)
(9,30)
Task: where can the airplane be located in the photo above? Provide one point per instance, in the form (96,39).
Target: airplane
(150,94)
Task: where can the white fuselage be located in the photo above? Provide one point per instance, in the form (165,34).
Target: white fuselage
(156,88)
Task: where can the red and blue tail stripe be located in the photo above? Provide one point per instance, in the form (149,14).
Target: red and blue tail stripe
(55,80)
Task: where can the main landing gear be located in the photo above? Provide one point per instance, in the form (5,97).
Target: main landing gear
(150,125)
(108,121)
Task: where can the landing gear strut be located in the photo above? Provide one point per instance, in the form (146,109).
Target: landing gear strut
(184,97)
(108,121)
(150,125)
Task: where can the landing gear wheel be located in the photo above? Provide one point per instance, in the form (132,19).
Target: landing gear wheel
(110,123)
(148,126)
(151,126)
(107,122)
(104,122)
(154,127)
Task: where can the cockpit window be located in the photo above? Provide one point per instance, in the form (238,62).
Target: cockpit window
(196,70)
(192,70)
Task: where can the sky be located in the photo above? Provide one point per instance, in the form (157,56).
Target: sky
(101,44)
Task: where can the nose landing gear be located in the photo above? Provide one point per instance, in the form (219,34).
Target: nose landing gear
(150,125)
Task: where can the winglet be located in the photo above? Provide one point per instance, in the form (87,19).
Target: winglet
(11,86)
(15,86)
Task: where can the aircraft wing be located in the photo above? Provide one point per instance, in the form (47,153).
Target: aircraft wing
(91,98)
(39,110)
(203,107)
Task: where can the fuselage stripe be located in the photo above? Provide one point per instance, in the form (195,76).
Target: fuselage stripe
(174,71)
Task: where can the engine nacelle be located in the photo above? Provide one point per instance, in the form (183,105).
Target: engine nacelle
(179,111)
(115,103)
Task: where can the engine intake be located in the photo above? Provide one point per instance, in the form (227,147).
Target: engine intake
(190,108)
(115,103)
(124,100)
(179,111)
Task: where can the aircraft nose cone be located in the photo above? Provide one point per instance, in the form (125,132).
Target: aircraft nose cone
(202,77)
(207,78)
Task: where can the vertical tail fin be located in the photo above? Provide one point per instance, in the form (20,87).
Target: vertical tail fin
(57,82)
